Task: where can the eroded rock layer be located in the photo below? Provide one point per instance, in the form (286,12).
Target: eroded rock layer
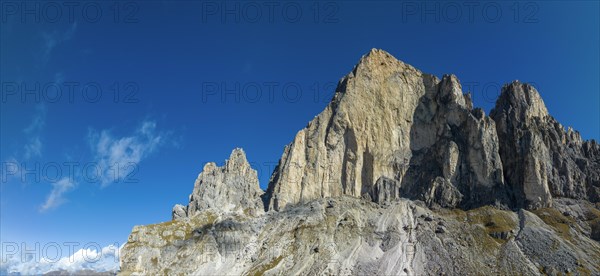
(351,236)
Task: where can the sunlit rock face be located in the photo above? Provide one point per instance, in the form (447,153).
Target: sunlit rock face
(399,175)
(388,120)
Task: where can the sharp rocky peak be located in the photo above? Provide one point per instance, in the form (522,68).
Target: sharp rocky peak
(522,99)
(237,160)
(376,61)
(378,57)
(231,188)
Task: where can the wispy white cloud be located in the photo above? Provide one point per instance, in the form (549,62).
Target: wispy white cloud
(33,148)
(116,157)
(33,144)
(56,196)
(103,260)
(55,38)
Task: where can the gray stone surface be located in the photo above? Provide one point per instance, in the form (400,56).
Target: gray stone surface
(541,159)
(352,236)
(230,188)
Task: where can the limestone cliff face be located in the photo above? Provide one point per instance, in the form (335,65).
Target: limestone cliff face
(230,188)
(541,159)
(356,138)
(389,120)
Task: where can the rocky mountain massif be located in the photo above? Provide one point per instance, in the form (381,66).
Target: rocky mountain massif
(398,175)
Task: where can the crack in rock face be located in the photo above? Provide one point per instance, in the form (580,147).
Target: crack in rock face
(398,175)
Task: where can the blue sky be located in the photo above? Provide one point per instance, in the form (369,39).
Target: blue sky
(183,83)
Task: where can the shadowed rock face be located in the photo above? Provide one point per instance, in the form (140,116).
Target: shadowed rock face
(376,182)
(542,160)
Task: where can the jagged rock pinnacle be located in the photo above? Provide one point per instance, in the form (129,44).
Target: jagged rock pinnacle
(522,99)
(230,188)
(541,160)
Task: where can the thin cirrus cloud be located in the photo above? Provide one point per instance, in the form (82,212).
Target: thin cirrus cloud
(31,148)
(33,145)
(56,196)
(117,158)
(55,38)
